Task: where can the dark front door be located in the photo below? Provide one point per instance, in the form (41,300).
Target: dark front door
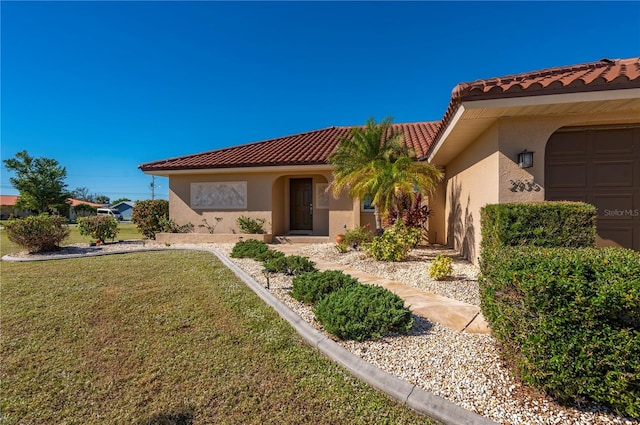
(301,206)
(600,166)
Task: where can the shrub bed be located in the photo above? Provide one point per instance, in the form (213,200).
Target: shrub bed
(38,233)
(358,236)
(548,224)
(312,287)
(291,265)
(362,311)
(249,249)
(395,243)
(568,320)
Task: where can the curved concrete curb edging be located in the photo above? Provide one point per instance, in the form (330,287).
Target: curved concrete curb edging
(10,258)
(419,400)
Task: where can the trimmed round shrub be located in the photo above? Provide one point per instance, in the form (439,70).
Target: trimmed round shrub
(38,233)
(290,265)
(312,287)
(249,249)
(362,312)
(100,227)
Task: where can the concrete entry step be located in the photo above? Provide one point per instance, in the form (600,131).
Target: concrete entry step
(300,239)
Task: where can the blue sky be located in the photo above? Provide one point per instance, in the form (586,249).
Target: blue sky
(105,86)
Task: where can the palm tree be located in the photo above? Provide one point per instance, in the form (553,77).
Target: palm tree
(404,179)
(374,161)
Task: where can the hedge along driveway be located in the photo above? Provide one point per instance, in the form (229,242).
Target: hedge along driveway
(163,336)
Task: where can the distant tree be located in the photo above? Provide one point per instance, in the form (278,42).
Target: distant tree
(84,210)
(82,194)
(117,201)
(40,181)
(101,199)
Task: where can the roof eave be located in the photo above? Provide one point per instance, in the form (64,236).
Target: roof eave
(239,170)
(460,115)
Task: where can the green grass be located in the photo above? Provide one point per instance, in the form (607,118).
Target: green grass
(163,337)
(127,231)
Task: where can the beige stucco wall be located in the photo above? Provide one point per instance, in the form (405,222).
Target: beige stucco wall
(258,201)
(437,219)
(487,172)
(342,214)
(267,197)
(471,182)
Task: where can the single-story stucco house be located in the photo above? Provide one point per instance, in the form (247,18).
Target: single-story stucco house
(581,122)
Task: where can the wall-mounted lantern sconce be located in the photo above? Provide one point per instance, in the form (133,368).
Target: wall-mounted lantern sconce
(525,159)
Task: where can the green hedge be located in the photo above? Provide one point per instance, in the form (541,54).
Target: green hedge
(568,320)
(312,287)
(363,311)
(548,224)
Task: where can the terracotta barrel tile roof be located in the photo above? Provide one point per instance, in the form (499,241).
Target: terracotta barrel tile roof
(310,148)
(606,73)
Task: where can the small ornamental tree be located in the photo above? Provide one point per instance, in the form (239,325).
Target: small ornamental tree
(148,216)
(99,227)
(38,233)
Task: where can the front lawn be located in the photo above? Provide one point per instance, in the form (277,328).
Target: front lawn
(163,337)
(127,231)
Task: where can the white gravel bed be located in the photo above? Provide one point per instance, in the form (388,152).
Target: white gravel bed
(461,286)
(460,367)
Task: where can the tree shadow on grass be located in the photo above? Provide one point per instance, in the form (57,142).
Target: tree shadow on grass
(174,418)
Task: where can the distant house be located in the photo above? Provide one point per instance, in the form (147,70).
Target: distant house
(8,207)
(8,203)
(564,133)
(73,213)
(125,208)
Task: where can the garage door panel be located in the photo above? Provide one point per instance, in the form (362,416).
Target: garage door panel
(613,173)
(600,166)
(612,141)
(560,196)
(619,236)
(572,144)
(614,206)
(567,174)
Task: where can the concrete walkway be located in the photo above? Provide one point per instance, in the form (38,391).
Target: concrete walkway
(451,313)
